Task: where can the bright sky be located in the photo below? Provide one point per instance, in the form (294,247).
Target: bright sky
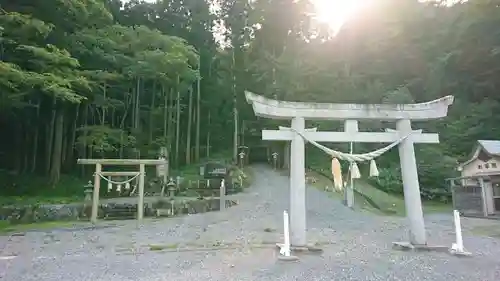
(332,12)
(336,12)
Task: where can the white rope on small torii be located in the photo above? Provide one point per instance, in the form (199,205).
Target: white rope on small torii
(118,182)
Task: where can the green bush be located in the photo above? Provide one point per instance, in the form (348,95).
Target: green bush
(30,185)
(389,180)
(433,168)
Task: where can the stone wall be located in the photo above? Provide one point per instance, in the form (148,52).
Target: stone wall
(80,211)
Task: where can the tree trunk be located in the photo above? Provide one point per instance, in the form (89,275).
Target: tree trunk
(235,115)
(70,146)
(178,123)
(27,138)
(166,115)
(50,138)
(198,110)
(151,115)
(25,145)
(64,144)
(208,136)
(133,100)
(18,152)
(137,104)
(34,153)
(190,117)
(128,102)
(55,169)
(84,147)
(93,122)
(171,118)
(104,106)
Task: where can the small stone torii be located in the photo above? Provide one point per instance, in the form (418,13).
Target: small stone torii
(403,114)
(99,163)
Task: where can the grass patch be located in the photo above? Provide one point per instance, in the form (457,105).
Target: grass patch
(249,176)
(36,200)
(489,231)
(268,229)
(375,200)
(7,228)
(163,247)
(31,185)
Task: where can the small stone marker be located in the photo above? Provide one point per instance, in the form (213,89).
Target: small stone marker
(275,160)
(215,170)
(222,196)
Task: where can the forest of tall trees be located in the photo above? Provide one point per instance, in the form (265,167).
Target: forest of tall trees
(103,78)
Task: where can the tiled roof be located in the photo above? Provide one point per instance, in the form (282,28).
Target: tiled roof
(491,146)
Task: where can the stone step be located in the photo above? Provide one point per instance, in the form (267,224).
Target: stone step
(120,210)
(120,214)
(115,218)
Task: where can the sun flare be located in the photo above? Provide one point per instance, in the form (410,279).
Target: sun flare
(336,12)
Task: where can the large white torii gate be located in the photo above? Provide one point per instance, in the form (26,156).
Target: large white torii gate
(403,114)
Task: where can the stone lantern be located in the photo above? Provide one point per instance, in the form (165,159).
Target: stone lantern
(171,188)
(89,189)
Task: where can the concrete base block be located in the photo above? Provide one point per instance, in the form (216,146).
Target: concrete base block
(302,249)
(407,246)
(3,258)
(287,258)
(460,253)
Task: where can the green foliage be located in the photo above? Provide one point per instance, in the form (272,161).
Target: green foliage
(104,139)
(389,180)
(431,174)
(8,228)
(98,78)
(23,189)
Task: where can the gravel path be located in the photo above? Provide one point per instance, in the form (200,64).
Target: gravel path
(357,246)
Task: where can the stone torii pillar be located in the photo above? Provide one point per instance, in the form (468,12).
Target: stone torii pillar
(297,112)
(298,181)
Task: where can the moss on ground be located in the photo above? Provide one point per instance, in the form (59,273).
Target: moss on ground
(492,231)
(8,228)
(371,199)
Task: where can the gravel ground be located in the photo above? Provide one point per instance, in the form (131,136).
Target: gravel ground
(357,246)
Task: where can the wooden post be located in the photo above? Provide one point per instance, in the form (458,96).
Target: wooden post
(350,126)
(222,196)
(140,205)
(483,196)
(286,159)
(453,194)
(95,195)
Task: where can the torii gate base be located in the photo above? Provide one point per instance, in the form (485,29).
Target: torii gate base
(297,112)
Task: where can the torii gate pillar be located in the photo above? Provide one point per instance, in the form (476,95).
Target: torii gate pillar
(411,186)
(298,186)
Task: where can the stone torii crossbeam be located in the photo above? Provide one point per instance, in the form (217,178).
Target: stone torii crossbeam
(402,114)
